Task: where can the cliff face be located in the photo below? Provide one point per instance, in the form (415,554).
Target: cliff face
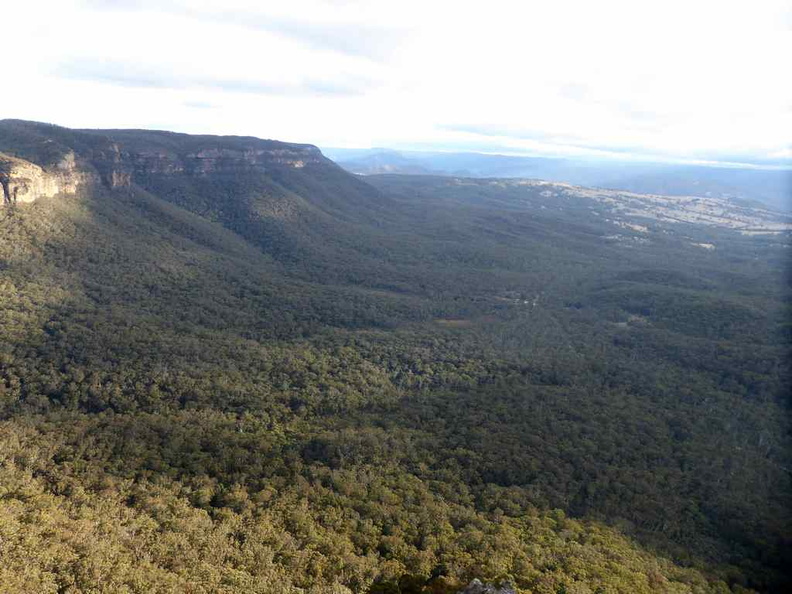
(260,189)
(24,181)
(119,166)
(40,160)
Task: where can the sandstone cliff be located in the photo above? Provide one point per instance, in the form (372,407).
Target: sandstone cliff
(267,191)
(119,165)
(24,181)
(39,160)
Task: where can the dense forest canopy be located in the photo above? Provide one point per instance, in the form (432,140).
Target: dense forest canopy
(242,369)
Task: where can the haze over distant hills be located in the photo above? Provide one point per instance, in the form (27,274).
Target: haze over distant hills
(229,365)
(773,187)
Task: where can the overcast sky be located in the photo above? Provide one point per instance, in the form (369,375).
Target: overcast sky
(695,79)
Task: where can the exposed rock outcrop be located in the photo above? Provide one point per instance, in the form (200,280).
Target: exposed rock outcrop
(119,167)
(23,181)
(115,166)
(240,179)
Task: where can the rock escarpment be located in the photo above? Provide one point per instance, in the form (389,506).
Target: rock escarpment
(249,185)
(24,181)
(119,166)
(41,160)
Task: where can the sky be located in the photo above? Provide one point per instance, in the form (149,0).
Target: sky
(703,80)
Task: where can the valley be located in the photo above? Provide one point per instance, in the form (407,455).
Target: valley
(228,365)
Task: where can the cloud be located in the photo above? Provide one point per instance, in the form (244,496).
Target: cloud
(128,74)
(119,4)
(782,154)
(515,140)
(563,142)
(349,37)
(200,105)
(354,39)
(662,78)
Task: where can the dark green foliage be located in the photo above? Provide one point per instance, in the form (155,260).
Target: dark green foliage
(385,383)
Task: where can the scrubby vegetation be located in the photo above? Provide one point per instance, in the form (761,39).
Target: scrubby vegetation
(399,395)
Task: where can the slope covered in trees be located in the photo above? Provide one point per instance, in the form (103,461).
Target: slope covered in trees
(258,376)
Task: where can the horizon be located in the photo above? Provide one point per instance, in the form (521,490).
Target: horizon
(661,82)
(594,157)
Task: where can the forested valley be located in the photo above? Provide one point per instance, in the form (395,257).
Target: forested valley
(227,365)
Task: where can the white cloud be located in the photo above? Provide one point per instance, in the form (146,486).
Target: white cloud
(698,79)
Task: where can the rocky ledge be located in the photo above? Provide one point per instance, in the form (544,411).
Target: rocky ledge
(23,181)
(119,166)
(40,160)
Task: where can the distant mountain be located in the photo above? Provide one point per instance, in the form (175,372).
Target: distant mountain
(155,159)
(286,198)
(385,161)
(229,365)
(770,187)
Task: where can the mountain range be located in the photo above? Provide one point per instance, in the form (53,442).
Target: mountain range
(770,186)
(228,364)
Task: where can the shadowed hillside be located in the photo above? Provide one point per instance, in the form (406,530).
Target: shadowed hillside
(227,365)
